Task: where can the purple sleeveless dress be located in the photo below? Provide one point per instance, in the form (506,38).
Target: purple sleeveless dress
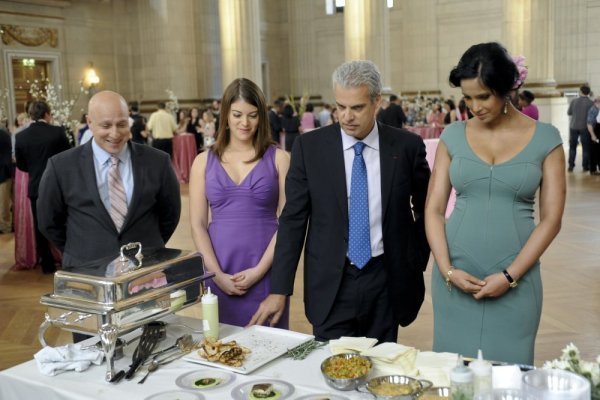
(243,222)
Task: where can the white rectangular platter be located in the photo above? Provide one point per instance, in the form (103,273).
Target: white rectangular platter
(265,344)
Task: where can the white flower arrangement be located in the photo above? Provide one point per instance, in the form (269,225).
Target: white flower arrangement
(570,360)
(3,106)
(173,103)
(59,109)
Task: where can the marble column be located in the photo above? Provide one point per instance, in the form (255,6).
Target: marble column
(367,34)
(529,31)
(240,40)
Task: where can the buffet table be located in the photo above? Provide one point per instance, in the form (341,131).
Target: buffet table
(25,381)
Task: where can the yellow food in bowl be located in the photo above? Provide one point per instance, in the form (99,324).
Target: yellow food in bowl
(347,368)
(391,389)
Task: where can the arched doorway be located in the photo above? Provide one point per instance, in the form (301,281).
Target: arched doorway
(25,72)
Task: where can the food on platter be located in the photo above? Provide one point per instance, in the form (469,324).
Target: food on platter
(263,391)
(205,383)
(347,368)
(228,353)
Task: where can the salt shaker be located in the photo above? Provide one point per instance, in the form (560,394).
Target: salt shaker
(210,315)
(482,374)
(461,381)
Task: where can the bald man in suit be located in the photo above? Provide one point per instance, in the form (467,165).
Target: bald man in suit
(75,203)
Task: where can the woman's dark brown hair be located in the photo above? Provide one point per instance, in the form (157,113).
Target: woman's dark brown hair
(246,90)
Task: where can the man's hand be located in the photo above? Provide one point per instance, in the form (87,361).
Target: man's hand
(269,310)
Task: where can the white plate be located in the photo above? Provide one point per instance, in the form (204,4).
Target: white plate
(321,396)
(186,381)
(265,344)
(242,392)
(176,395)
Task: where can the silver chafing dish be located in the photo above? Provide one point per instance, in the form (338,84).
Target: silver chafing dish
(113,296)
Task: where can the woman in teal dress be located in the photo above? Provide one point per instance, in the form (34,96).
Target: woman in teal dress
(486,287)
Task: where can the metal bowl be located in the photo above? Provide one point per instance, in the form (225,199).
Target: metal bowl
(405,387)
(345,383)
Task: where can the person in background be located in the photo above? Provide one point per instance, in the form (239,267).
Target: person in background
(325,115)
(436,116)
(486,284)
(333,118)
(208,128)
(275,120)
(33,147)
(594,130)
(163,126)
(451,114)
(290,123)
(183,120)
(6,180)
(195,127)
(578,110)
(138,127)
(82,127)
(21,122)
(392,115)
(348,197)
(526,105)
(237,185)
(309,121)
(215,108)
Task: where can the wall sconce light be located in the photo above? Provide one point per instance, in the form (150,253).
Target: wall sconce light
(91,78)
(28,62)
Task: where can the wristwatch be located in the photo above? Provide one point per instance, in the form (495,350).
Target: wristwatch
(511,282)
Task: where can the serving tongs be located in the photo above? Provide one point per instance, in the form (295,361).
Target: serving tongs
(150,337)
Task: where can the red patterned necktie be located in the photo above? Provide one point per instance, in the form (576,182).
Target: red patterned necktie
(116,194)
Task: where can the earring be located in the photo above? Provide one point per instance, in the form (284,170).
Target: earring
(505,111)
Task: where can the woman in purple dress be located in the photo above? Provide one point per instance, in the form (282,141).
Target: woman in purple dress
(236,195)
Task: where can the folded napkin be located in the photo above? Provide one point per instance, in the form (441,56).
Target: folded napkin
(347,344)
(55,360)
(392,359)
(436,367)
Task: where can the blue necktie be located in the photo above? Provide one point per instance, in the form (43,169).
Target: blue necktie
(359,246)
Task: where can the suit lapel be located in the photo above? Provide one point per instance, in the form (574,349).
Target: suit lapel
(138,182)
(89,176)
(334,154)
(388,155)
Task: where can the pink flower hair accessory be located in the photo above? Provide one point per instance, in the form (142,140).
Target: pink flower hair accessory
(522,68)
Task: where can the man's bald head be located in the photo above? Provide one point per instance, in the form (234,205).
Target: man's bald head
(108,118)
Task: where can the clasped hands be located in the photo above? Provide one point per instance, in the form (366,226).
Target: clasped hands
(494,285)
(238,283)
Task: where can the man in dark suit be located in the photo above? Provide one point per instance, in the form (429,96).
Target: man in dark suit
(350,290)
(33,147)
(392,115)
(76,204)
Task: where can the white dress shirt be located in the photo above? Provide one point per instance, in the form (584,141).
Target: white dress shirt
(371,157)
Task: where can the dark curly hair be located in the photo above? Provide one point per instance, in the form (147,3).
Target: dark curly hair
(491,64)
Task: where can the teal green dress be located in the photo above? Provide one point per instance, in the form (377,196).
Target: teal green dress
(492,219)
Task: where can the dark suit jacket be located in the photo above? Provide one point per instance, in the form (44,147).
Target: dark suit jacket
(72,216)
(34,146)
(392,116)
(5,156)
(316,197)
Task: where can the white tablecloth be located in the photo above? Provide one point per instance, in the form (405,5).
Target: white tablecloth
(25,381)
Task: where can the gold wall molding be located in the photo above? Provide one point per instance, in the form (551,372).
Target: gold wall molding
(29,35)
